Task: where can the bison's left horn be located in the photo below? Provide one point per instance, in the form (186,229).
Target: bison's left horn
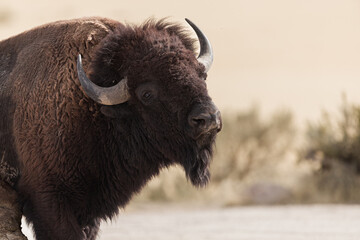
(206,56)
(104,95)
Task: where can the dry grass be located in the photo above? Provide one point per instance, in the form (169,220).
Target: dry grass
(259,161)
(247,168)
(333,144)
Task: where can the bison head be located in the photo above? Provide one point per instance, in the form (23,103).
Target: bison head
(150,76)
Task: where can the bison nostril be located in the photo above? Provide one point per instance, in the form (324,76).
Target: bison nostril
(203,120)
(198,122)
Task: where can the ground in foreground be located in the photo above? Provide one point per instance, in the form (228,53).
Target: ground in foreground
(323,222)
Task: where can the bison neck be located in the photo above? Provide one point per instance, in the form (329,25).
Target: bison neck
(130,162)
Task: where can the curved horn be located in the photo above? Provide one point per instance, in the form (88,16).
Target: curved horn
(104,95)
(206,56)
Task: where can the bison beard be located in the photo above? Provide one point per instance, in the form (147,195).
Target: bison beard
(82,148)
(198,161)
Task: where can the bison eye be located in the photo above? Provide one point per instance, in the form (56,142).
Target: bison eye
(147,93)
(146,96)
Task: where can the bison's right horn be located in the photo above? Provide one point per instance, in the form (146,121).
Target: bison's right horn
(206,56)
(104,95)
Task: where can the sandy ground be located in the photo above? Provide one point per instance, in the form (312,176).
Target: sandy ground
(318,222)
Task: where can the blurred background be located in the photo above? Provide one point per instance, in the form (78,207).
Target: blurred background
(286,77)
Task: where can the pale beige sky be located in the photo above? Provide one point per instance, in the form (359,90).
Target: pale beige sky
(299,54)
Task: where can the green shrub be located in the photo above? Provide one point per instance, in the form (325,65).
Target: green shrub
(336,139)
(248,150)
(333,144)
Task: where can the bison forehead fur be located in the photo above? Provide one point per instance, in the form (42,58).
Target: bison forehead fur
(79,161)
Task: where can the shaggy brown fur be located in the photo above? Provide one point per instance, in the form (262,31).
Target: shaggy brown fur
(80,161)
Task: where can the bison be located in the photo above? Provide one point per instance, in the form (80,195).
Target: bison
(91,109)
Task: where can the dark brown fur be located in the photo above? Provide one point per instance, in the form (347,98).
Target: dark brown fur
(80,161)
